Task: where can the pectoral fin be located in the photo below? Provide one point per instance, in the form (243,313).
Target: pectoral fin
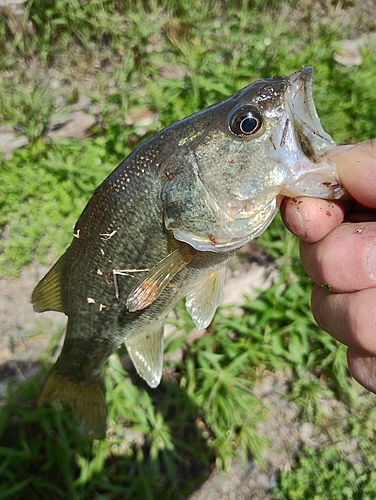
(146,352)
(47,294)
(204,299)
(158,278)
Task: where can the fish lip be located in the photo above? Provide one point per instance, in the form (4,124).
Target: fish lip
(306,73)
(302,80)
(299,99)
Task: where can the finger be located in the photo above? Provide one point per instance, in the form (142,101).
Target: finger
(345,260)
(310,218)
(363,368)
(357,171)
(349,317)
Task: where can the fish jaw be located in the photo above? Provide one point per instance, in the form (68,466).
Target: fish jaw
(304,143)
(299,99)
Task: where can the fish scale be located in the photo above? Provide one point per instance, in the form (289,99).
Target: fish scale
(165,222)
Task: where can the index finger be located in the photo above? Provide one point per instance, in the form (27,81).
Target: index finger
(311,219)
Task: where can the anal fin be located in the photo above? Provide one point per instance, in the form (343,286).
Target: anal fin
(203,300)
(146,352)
(47,294)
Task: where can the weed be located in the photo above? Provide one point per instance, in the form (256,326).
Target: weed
(327,474)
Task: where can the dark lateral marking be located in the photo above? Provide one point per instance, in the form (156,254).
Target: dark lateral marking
(284,133)
(304,143)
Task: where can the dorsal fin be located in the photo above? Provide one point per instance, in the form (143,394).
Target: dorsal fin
(47,294)
(203,300)
(156,280)
(146,352)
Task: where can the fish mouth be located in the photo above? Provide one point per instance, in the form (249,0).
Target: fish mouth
(312,139)
(304,143)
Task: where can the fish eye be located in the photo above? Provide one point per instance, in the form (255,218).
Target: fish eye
(245,121)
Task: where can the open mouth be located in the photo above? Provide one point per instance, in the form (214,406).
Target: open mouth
(312,138)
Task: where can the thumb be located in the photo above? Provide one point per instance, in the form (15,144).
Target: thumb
(357,171)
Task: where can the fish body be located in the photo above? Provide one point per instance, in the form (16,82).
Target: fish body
(165,222)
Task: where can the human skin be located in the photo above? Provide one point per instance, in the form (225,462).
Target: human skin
(338,250)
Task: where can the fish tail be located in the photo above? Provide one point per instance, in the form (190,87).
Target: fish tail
(87,400)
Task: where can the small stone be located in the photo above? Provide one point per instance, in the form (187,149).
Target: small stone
(9,141)
(75,125)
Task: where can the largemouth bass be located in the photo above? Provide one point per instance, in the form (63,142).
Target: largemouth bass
(165,222)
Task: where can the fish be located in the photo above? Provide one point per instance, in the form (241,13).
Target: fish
(162,226)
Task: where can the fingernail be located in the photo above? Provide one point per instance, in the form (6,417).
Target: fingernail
(295,222)
(372,262)
(362,368)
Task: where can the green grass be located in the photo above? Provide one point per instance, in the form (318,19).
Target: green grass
(338,469)
(172,59)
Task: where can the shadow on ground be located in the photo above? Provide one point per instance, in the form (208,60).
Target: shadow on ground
(44,456)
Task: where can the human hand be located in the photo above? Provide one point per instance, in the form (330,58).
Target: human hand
(338,250)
